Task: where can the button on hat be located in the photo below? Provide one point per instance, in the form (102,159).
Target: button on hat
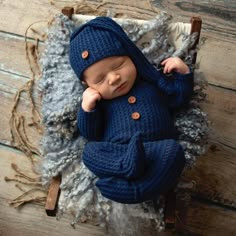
(85,54)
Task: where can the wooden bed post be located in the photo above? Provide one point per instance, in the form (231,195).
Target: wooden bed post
(196,25)
(53,196)
(171,201)
(68,11)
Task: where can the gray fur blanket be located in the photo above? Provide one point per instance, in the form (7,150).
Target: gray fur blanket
(62,146)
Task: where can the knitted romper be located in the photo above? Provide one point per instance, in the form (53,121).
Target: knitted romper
(136,157)
(132,146)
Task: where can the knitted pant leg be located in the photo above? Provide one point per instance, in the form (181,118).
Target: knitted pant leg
(106,159)
(167,164)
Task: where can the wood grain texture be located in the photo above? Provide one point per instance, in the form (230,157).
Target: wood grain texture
(16,16)
(13,54)
(213,176)
(209,220)
(220,105)
(215,59)
(31,219)
(215,56)
(219,18)
(127,9)
(201,219)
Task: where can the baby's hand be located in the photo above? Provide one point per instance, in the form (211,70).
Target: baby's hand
(90,98)
(175,64)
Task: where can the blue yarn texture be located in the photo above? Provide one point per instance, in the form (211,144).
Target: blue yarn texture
(135,160)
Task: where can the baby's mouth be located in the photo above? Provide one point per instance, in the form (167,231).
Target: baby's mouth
(121,87)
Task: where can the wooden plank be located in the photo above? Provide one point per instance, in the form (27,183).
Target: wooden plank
(30,219)
(220,105)
(213,173)
(16,16)
(215,59)
(213,176)
(209,220)
(13,55)
(218,15)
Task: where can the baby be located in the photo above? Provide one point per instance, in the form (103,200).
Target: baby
(126,113)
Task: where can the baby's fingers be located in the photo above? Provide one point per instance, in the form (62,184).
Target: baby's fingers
(170,64)
(165,61)
(169,68)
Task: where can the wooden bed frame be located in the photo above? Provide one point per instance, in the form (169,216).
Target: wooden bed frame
(170,213)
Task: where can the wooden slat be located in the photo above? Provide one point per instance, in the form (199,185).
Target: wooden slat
(215,59)
(220,105)
(16,16)
(218,15)
(214,175)
(13,55)
(196,25)
(209,220)
(31,219)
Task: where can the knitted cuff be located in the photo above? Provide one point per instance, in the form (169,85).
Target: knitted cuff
(90,124)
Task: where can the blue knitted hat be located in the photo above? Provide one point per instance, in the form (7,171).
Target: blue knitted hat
(100,38)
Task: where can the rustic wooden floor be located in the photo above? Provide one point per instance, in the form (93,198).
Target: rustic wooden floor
(212,210)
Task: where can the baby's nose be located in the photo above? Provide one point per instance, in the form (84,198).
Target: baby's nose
(114,78)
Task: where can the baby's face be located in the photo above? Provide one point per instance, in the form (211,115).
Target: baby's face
(111,77)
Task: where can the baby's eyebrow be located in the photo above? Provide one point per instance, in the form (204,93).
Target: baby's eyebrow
(94,79)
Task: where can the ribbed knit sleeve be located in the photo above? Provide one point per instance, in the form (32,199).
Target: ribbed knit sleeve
(178,88)
(90,124)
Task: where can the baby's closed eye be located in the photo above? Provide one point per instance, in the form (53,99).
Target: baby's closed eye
(117,64)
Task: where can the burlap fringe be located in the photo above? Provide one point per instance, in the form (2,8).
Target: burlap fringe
(18,128)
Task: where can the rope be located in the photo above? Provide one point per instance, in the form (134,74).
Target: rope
(19,137)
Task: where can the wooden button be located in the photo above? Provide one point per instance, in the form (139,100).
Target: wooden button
(85,54)
(135,115)
(132,99)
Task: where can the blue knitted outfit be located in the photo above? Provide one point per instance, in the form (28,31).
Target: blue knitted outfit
(135,159)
